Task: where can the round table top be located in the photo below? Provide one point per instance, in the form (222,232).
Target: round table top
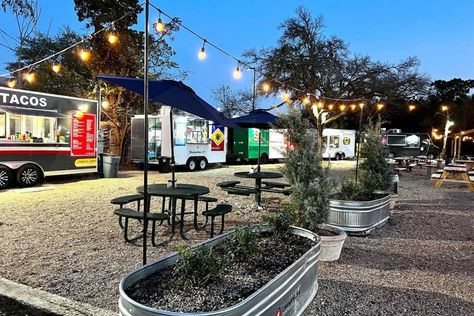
(162,189)
(258,175)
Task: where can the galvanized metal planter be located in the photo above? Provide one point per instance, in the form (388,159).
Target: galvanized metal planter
(290,292)
(359,217)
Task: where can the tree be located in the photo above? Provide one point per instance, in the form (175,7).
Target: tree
(313,63)
(232,103)
(22,7)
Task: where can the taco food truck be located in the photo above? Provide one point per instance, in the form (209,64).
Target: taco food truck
(44,135)
(197,141)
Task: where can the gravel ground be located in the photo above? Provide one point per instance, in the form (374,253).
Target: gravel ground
(64,238)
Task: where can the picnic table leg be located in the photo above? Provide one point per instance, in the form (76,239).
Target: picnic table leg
(181,221)
(196,226)
(439,182)
(258,185)
(173,214)
(465,176)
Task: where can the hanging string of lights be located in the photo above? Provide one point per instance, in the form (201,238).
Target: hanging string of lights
(318,102)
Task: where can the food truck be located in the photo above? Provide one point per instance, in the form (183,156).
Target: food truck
(273,144)
(197,141)
(409,144)
(44,135)
(338,143)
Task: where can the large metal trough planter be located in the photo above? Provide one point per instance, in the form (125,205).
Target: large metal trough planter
(359,217)
(289,293)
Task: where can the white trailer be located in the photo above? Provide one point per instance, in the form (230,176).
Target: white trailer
(197,142)
(278,144)
(338,143)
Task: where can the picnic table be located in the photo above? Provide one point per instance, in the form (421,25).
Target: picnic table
(469,163)
(234,186)
(455,174)
(404,163)
(181,192)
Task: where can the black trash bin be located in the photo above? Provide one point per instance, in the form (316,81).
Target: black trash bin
(110,165)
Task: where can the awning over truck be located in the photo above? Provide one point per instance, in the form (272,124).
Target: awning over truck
(30,111)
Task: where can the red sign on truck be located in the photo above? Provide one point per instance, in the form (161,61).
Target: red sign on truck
(83,134)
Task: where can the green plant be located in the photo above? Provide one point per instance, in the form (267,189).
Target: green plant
(280,221)
(243,244)
(351,190)
(309,180)
(375,171)
(198,266)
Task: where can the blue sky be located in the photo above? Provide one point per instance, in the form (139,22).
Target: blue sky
(440,33)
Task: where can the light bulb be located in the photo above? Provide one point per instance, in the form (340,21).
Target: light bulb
(56,68)
(306,100)
(353,107)
(380,106)
(160,26)
(342,107)
(105,104)
(320,105)
(361,105)
(237,74)
(11,83)
(444,108)
(202,54)
(29,77)
(84,55)
(286,97)
(112,38)
(411,107)
(266,87)
(330,107)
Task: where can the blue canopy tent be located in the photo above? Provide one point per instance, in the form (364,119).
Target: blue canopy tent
(174,94)
(257,119)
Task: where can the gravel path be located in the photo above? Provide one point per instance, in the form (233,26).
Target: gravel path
(64,238)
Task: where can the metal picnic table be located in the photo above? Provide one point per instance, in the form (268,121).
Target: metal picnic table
(258,176)
(179,192)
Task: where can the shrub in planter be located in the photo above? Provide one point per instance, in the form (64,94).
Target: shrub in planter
(310,184)
(360,207)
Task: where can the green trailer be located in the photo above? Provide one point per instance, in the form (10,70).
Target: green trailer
(245,144)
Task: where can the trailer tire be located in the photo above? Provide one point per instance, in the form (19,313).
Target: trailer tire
(337,157)
(191,164)
(202,164)
(29,175)
(6,177)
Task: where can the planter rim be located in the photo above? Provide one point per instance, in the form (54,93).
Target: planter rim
(302,232)
(368,203)
(341,235)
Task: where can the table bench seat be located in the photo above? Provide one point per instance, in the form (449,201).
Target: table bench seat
(286,191)
(226,184)
(219,210)
(452,180)
(436,176)
(239,191)
(275,184)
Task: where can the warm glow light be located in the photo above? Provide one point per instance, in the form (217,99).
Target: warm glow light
(84,55)
(342,107)
(29,77)
(444,108)
(320,105)
(202,54)
(353,107)
(105,104)
(266,87)
(411,107)
(112,38)
(380,106)
(361,105)
(237,74)
(11,83)
(449,124)
(160,26)
(330,107)
(286,97)
(56,68)
(306,100)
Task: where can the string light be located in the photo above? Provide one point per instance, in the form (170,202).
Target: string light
(266,87)
(320,105)
(306,100)
(444,108)
(342,107)
(353,107)
(29,77)
(202,52)
(105,104)
(84,55)
(112,38)
(286,97)
(237,74)
(11,83)
(56,68)
(361,105)
(330,107)
(411,107)
(159,25)
(380,106)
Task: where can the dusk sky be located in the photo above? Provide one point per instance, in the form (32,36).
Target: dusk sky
(440,33)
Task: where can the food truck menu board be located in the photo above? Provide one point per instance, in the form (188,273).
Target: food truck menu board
(83,134)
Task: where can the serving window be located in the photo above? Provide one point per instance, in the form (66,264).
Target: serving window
(3,125)
(29,128)
(197,131)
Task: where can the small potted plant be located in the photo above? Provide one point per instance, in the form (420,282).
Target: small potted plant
(310,185)
(359,207)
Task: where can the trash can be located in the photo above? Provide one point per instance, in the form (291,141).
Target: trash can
(110,165)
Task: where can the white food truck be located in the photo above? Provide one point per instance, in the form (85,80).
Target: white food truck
(43,135)
(197,141)
(338,143)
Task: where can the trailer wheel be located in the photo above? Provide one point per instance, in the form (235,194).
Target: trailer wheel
(191,164)
(28,175)
(203,163)
(6,177)
(337,157)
